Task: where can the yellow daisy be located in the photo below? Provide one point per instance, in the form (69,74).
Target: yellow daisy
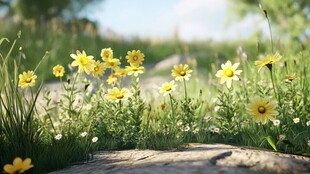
(27,79)
(290,78)
(113,63)
(84,62)
(268,61)
(134,70)
(262,109)
(135,57)
(112,79)
(228,73)
(18,166)
(121,72)
(106,53)
(116,94)
(58,71)
(99,69)
(181,72)
(167,88)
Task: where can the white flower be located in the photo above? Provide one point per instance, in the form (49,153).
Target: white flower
(296,120)
(94,140)
(186,128)
(58,136)
(217,130)
(84,134)
(179,123)
(282,136)
(276,122)
(211,128)
(196,130)
(308,123)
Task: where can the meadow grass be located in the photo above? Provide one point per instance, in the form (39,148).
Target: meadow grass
(205,100)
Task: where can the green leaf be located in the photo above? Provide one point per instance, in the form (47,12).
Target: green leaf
(271,143)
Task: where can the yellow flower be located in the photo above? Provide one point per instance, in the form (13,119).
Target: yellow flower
(18,166)
(116,94)
(262,109)
(268,61)
(58,71)
(181,72)
(112,79)
(135,57)
(134,70)
(85,63)
(290,78)
(99,69)
(167,88)
(228,73)
(27,79)
(106,53)
(112,63)
(121,72)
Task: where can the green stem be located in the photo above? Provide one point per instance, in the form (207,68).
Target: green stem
(273,85)
(71,95)
(172,108)
(185,90)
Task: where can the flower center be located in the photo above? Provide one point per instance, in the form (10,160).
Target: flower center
(96,69)
(120,96)
(261,109)
(28,80)
(182,73)
(111,64)
(168,88)
(228,72)
(135,58)
(107,54)
(84,61)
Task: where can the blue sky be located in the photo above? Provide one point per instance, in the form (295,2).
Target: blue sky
(193,19)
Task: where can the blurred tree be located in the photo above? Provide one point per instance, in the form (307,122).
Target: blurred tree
(291,17)
(46,9)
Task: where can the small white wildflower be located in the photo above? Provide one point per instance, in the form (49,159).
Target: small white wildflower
(179,123)
(207,118)
(196,130)
(217,130)
(94,140)
(186,128)
(58,136)
(296,120)
(308,123)
(276,122)
(282,136)
(84,134)
(211,128)
(291,111)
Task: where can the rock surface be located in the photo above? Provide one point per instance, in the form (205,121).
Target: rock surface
(194,158)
